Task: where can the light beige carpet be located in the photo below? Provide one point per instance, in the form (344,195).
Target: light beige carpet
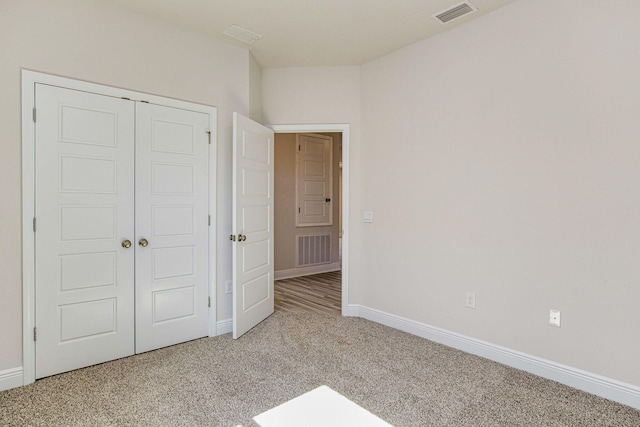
(403,379)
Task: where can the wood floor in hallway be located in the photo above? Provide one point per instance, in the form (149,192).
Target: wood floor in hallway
(318,293)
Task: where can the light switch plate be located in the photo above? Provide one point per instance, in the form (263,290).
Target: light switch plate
(367,216)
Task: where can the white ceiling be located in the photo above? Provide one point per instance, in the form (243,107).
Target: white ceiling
(314,32)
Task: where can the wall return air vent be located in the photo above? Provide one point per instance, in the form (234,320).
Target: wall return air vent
(313,250)
(455,12)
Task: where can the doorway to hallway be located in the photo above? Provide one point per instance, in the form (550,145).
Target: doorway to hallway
(320,284)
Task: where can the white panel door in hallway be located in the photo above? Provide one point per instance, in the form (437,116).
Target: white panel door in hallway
(252,223)
(111,281)
(314,186)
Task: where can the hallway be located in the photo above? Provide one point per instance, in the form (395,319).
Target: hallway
(318,293)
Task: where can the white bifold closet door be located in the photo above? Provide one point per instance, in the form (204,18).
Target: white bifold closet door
(172,155)
(121,223)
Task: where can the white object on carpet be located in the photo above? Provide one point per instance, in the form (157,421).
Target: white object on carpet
(319,408)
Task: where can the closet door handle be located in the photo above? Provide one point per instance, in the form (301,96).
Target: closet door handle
(126,244)
(143,243)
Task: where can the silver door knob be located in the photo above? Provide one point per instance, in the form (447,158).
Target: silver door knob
(143,243)
(126,244)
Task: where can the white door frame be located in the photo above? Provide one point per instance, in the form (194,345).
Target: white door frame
(344,129)
(29,80)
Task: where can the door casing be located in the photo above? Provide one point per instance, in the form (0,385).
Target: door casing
(344,129)
(29,80)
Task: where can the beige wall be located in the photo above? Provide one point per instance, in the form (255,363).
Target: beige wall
(508,150)
(96,41)
(285,201)
(322,95)
(506,153)
(255,89)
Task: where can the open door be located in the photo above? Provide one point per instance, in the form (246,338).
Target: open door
(252,233)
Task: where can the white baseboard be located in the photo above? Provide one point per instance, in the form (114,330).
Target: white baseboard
(11,378)
(306,271)
(351,310)
(224,326)
(608,388)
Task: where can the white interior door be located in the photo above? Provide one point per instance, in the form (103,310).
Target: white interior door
(83,216)
(252,223)
(172,220)
(314,186)
(121,227)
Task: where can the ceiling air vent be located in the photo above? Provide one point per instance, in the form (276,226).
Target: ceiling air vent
(455,12)
(242,34)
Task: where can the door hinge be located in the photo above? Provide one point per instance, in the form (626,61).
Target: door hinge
(34,224)
(209,135)
(209,302)
(298,210)
(35,334)
(34,114)
(209,220)
(298,147)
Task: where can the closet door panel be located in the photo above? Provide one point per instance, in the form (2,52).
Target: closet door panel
(84,210)
(172,155)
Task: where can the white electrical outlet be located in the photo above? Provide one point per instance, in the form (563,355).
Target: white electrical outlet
(554,318)
(470,300)
(228,287)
